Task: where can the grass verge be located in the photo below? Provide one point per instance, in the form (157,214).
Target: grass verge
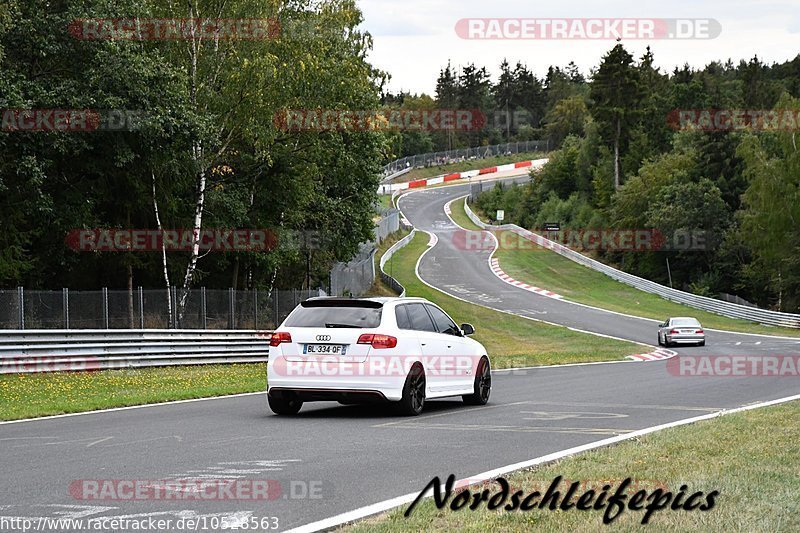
(471,164)
(55,393)
(379,288)
(459,215)
(510,340)
(751,458)
(548,270)
(385,201)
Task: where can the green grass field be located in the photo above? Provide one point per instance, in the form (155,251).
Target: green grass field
(55,393)
(751,458)
(511,341)
(548,270)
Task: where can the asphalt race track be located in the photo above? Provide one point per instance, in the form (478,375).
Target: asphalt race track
(476,283)
(331,459)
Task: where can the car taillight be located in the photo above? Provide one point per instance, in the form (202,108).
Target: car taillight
(279,337)
(377,340)
(674,332)
(699,331)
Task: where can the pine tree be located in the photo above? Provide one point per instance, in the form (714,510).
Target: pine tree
(615,101)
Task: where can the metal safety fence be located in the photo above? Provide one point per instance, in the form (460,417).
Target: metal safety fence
(31,351)
(464,154)
(147,308)
(728,309)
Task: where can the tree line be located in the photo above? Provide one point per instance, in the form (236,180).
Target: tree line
(206,151)
(626,161)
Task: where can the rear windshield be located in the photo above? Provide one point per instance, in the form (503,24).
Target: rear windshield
(340,316)
(685,322)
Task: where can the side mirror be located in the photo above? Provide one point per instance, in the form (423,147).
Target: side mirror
(467,329)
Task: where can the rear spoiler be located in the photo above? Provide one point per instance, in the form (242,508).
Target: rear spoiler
(341,302)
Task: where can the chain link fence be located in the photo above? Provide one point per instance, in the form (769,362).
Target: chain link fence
(147,308)
(356,277)
(205,308)
(387,225)
(464,154)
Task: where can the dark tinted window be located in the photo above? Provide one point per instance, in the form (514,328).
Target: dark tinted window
(334,317)
(442,321)
(419,318)
(402,317)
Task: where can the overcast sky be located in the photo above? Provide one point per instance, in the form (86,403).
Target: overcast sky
(415,38)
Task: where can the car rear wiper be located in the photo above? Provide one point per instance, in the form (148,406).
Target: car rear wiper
(334,325)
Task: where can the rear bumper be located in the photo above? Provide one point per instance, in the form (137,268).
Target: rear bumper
(686,339)
(328,395)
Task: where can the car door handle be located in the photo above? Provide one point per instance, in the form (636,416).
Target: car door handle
(422,344)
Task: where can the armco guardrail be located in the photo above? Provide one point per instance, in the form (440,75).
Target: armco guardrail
(397,174)
(465,154)
(391,188)
(52,350)
(389,280)
(762,316)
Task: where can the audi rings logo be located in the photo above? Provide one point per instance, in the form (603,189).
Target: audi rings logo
(323,337)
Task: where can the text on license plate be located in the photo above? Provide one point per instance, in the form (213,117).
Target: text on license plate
(326,349)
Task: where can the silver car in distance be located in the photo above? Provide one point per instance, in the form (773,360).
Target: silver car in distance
(681,330)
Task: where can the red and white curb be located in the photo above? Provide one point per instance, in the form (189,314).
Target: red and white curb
(656,355)
(391,187)
(494,264)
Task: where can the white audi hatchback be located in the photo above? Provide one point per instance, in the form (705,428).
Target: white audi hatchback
(354,350)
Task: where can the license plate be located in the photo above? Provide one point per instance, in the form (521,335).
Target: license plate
(324,349)
(687,331)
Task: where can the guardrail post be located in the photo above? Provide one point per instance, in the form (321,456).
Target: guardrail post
(21,307)
(105,307)
(141,308)
(65,306)
(255,308)
(173,319)
(203,308)
(231,310)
